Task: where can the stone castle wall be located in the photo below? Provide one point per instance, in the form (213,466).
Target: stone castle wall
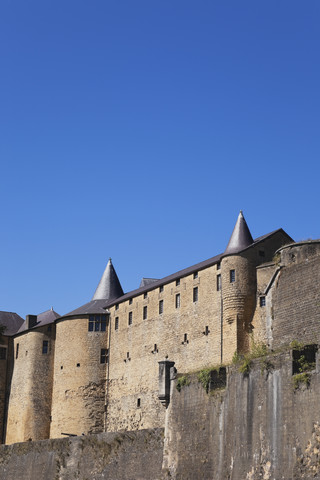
(31,386)
(78,397)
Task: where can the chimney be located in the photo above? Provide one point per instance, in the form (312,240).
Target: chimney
(31,321)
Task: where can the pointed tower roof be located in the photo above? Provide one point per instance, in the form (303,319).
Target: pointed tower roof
(109,286)
(241,237)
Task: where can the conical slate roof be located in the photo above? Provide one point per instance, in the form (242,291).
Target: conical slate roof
(241,237)
(109,286)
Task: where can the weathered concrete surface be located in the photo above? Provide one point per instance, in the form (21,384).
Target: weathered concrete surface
(109,456)
(259,427)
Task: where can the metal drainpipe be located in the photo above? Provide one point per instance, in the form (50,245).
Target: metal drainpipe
(107,386)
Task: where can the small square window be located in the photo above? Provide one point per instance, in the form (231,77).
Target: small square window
(161,307)
(218,282)
(161,289)
(195,294)
(262,301)
(3,353)
(130,318)
(195,275)
(178,282)
(232,276)
(145,295)
(130,301)
(45,346)
(178,300)
(116,323)
(145,313)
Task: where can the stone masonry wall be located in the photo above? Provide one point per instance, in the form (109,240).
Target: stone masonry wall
(79,391)
(31,387)
(260,427)
(125,456)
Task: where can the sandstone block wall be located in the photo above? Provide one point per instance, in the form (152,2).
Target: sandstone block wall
(31,386)
(125,456)
(79,391)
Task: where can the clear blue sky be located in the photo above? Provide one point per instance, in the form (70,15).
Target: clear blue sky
(138,130)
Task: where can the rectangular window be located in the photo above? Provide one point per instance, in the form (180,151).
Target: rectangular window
(3,353)
(49,328)
(103,323)
(218,266)
(45,346)
(232,276)
(218,282)
(91,323)
(178,282)
(161,306)
(116,323)
(130,301)
(138,403)
(161,289)
(262,301)
(17,350)
(195,294)
(130,318)
(145,295)
(185,338)
(178,300)
(104,355)
(117,306)
(145,313)
(97,323)
(195,275)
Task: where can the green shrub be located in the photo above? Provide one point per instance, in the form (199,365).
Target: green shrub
(182,382)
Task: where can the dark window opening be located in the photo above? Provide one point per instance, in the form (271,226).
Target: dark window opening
(304,359)
(61,368)
(130,318)
(161,307)
(145,313)
(116,323)
(49,328)
(155,349)
(130,301)
(104,355)
(3,353)
(17,350)
(218,266)
(45,346)
(178,282)
(145,295)
(178,300)
(262,301)
(195,275)
(117,306)
(138,403)
(195,294)
(232,276)
(78,364)
(161,289)
(97,323)
(218,282)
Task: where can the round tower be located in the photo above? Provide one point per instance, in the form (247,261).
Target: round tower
(238,280)
(81,362)
(31,386)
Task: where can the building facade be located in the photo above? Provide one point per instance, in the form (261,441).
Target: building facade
(196,318)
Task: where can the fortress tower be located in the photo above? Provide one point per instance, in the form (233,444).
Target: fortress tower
(80,364)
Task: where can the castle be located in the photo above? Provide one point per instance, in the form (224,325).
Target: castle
(96,369)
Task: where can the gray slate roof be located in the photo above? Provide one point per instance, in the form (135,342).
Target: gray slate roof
(11,321)
(44,318)
(241,237)
(99,306)
(109,286)
(147,281)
